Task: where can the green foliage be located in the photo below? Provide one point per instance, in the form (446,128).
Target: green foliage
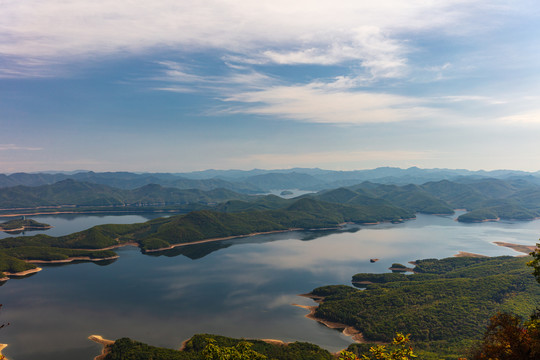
(27,224)
(508,338)
(127,349)
(213,347)
(241,351)
(398,350)
(83,194)
(443,308)
(535,262)
(13,265)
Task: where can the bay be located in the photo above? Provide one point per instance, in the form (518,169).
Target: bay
(240,288)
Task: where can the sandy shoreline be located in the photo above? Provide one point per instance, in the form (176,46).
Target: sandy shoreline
(100,340)
(23,273)
(25,228)
(223,238)
(30,213)
(71,259)
(354,333)
(468,254)
(9,275)
(2,347)
(526,249)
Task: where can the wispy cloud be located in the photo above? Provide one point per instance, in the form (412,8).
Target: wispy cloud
(178,78)
(301,32)
(522,118)
(6,147)
(319,104)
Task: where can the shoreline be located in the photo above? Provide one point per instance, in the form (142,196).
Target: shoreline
(469,254)
(104,342)
(337,227)
(9,275)
(347,330)
(526,249)
(71,259)
(26,228)
(2,347)
(225,238)
(86,212)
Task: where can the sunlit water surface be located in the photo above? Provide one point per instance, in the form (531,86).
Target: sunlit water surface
(238,288)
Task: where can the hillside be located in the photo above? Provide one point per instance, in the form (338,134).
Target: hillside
(85,194)
(444,306)
(127,349)
(485,199)
(162,233)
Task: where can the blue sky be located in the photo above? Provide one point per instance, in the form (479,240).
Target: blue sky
(174,86)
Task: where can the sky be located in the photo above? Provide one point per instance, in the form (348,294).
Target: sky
(177,86)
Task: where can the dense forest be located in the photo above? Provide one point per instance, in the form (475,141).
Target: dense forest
(194,349)
(445,305)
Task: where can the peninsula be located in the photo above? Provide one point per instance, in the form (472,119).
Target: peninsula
(95,244)
(445,304)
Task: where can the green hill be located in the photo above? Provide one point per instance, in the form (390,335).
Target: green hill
(81,194)
(161,233)
(127,349)
(445,305)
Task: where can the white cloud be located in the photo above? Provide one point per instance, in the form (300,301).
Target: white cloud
(524,118)
(473,98)
(5,147)
(284,32)
(174,73)
(319,103)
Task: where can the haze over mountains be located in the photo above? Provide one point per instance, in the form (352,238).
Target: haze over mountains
(501,194)
(260,181)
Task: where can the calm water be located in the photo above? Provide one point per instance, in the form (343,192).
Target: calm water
(239,288)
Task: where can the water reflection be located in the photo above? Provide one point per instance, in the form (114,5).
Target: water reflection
(198,251)
(245,290)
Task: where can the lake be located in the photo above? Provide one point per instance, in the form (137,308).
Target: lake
(238,288)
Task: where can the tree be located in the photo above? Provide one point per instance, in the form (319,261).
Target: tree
(508,338)
(241,351)
(535,262)
(399,350)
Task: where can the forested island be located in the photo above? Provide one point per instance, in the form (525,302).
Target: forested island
(19,225)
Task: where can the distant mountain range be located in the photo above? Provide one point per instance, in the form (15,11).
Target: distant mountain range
(262,181)
(506,195)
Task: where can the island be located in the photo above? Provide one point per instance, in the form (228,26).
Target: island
(286,193)
(17,226)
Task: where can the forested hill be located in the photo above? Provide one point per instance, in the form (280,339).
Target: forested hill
(194,349)
(71,192)
(259,181)
(197,225)
(444,306)
(484,199)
